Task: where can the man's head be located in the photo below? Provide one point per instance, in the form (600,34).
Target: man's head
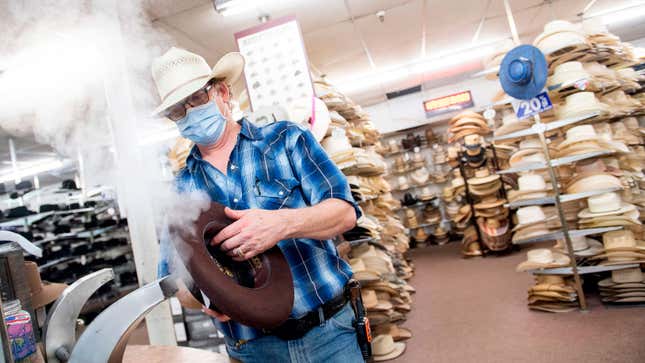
(182,77)
(197,98)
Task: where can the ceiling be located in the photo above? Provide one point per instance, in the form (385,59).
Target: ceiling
(345,40)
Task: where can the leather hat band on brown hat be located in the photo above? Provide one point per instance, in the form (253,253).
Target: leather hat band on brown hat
(257,292)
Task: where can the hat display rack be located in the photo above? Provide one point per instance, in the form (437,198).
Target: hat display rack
(489,227)
(76,237)
(578,182)
(418,167)
(376,248)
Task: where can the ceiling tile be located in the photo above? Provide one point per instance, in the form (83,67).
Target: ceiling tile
(332,43)
(352,67)
(406,52)
(403,24)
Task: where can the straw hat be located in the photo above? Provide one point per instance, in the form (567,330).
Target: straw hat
(362,273)
(372,303)
(557,35)
(629,278)
(528,216)
(541,258)
(568,72)
(420,176)
(336,145)
(510,124)
(312,113)
(385,348)
(531,186)
(592,182)
(420,235)
(604,205)
(582,246)
(426,194)
(621,247)
(530,151)
(42,293)
(554,283)
(396,332)
(466,114)
(482,176)
(178,73)
(579,104)
(402,182)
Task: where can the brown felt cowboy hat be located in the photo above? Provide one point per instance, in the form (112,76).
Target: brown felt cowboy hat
(257,292)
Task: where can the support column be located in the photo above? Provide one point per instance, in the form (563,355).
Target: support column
(133,192)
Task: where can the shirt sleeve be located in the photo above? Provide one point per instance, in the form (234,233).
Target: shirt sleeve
(319,177)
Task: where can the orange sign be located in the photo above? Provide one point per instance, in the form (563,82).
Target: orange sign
(454,102)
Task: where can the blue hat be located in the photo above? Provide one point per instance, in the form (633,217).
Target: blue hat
(523,72)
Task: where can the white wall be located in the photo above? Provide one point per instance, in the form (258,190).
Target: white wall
(407,111)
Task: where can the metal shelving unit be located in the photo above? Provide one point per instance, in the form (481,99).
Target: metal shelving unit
(558,198)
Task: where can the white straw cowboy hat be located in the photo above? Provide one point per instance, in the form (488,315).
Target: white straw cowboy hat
(178,73)
(579,104)
(568,72)
(385,348)
(510,124)
(530,186)
(582,246)
(605,205)
(629,278)
(559,34)
(543,258)
(312,113)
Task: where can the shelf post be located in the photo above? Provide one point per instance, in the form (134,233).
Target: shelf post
(565,227)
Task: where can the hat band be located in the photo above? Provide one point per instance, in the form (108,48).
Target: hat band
(163,99)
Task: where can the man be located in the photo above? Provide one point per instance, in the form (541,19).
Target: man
(281,188)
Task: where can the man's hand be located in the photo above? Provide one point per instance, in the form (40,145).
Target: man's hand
(253,232)
(221,317)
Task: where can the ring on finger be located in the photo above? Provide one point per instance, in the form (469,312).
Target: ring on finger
(239,252)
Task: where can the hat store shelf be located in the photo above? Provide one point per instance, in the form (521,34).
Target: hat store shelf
(470,199)
(425,148)
(574,269)
(74,243)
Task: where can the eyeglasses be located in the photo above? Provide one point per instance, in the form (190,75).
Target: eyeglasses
(178,111)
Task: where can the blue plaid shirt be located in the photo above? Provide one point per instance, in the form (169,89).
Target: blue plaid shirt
(280,165)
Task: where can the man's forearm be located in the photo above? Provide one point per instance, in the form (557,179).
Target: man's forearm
(325,220)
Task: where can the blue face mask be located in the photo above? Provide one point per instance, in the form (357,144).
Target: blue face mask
(203,125)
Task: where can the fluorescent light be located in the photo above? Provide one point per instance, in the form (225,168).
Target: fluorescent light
(35,168)
(621,14)
(436,62)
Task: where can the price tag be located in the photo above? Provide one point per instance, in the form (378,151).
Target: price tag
(536,105)
(581,84)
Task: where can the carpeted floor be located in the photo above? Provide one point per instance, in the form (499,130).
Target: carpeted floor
(475,311)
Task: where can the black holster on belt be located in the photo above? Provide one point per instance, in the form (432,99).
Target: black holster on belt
(362,324)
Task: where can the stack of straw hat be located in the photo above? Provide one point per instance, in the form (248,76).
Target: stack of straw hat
(467,123)
(379,262)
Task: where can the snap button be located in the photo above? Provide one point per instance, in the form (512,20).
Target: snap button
(235,200)
(233,167)
(280,193)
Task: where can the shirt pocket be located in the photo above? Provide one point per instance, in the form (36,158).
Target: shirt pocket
(275,194)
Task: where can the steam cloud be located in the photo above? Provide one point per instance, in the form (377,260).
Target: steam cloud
(53,57)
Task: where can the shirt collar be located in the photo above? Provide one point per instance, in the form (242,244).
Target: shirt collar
(248,130)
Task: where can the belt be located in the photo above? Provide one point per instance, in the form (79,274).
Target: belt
(297,328)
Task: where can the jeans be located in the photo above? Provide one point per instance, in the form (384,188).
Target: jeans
(332,342)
